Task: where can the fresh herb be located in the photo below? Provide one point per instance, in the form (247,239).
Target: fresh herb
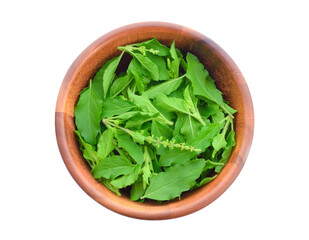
(159,129)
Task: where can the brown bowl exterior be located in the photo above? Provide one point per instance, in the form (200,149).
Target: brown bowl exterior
(228,79)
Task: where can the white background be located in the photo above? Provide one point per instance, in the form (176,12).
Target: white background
(269,41)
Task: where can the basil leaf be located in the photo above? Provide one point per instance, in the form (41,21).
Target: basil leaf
(97,82)
(203,85)
(126,115)
(218,117)
(137,191)
(166,87)
(145,104)
(177,136)
(147,169)
(175,156)
(115,106)
(210,164)
(210,109)
(125,142)
(192,105)
(112,167)
(126,180)
(227,151)
(155,45)
(105,143)
(190,127)
(175,63)
(156,165)
(231,138)
(140,118)
(219,141)
(108,184)
(149,65)
(203,139)
(87,114)
(138,77)
(120,84)
(230,109)
(206,180)
(225,157)
(172,104)
(160,130)
(137,137)
(170,184)
(88,151)
(159,61)
(109,74)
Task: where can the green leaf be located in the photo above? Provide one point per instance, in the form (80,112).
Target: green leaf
(120,84)
(210,109)
(145,105)
(206,180)
(135,69)
(183,63)
(147,169)
(190,127)
(170,184)
(140,118)
(126,180)
(137,137)
(192,104)
(175,63)
(219,141)
(105,143)
(166,87)
(210,164)
(149,65)
(109,74)
(108,184)
(159,61)
(155,45)
(112,167)
(218,117)
(115,106)
(188,98)
(160,130)
(88,151)
(156,165)
(230,109)
(126,115)
(170,116)
(175,156)
(172,104)
(137,191)
(225,157)
(97,82)
(203,85)
(204,137)
(177,105)
(227,151)
(125,142)
(177,136)
(87,114)
(231,138)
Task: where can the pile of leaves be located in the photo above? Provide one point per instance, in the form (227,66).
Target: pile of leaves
(158,129)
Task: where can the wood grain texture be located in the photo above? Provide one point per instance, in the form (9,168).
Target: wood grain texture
(228,79)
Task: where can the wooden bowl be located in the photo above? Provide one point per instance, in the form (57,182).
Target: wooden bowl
(228,79)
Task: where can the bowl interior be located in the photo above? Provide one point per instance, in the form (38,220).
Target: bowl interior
(228,79)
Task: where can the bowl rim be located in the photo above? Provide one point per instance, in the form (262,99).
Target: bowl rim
(137,210)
